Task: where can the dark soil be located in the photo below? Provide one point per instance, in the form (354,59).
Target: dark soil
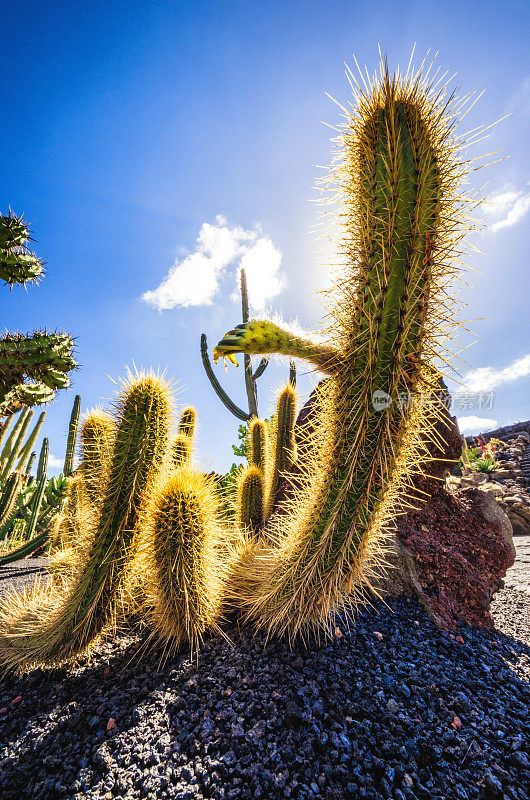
(395,708)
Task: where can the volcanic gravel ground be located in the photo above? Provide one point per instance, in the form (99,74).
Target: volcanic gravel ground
(392,709)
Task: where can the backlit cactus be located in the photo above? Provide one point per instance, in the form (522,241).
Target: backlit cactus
(397,175)
(57,624)
(185,572)
(288,560)
(251,498)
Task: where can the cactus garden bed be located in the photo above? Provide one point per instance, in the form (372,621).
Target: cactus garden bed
(393,708)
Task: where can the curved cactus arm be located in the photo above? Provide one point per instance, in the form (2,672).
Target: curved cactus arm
(221,394)
(262,337)
(260,369)
(25,550)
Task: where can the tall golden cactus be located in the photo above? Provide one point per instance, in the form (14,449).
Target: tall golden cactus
(54,624)
(397,176)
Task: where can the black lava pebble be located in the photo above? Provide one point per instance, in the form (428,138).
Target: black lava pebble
(392,708)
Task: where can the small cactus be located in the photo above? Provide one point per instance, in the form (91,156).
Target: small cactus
(182,542)
(250,499)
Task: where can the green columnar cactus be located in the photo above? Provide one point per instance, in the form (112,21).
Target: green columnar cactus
(24,455)
(188,420)
(284,443)
(57,624)
(180,451)
(258,445)
(15,445)
(185,573)
(32,542)
(398,175)
(98,432)
(42,466)
(250,499)
(9,497)
(68,467)
(31,367)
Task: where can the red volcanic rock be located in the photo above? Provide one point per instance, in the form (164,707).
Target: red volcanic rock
(461,545)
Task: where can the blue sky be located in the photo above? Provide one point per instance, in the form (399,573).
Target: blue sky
(128,128)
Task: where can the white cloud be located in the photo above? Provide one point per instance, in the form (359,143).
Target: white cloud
(194,279)
(473,425)
(265,279)
(485,379)
(54,462)
(511,206)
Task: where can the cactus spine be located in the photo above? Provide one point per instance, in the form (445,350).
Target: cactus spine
(98,432)
(398,176)
(182,542)
(250,499)
(59,625)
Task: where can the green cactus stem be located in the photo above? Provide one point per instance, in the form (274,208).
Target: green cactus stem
(180,451)
(258,445)
(250,499)
(250,377)
(284,443)
(25,453)
(183,568)
(16,446)
(17,264)
(399,175)
(98,432)
(188,420)
(42,466)
(9,496)
(68,467)
(262,336)
(55,624)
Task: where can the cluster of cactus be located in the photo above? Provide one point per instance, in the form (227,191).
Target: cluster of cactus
(29,505)
(288,559)
(32,367)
